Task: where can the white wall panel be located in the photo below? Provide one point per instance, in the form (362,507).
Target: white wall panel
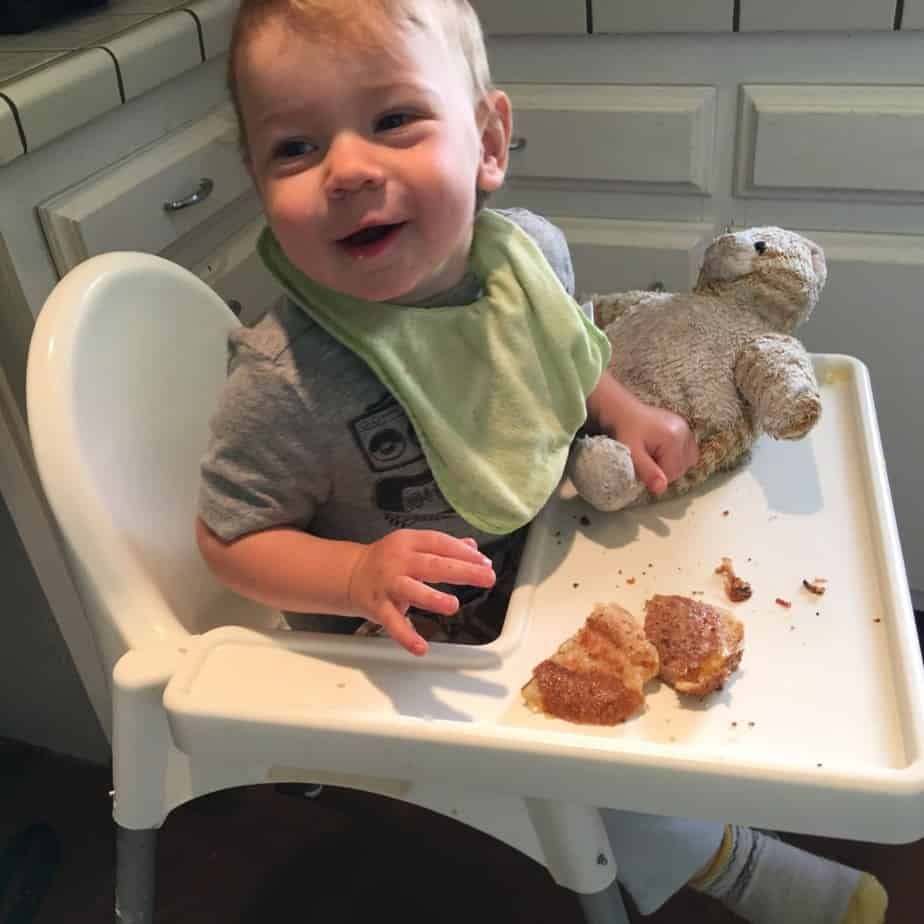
(825,15)
(614,256)
(532,17)
(614,134)
(858,138)
(662,15)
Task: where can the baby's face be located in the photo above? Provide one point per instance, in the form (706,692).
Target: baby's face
(367,162)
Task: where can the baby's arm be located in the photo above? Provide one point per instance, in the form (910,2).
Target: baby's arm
(288,569)
(662,445)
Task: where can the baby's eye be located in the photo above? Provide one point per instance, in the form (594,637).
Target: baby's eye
(293,147)
(392,121)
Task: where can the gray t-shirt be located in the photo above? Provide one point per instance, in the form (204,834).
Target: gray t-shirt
(307,436)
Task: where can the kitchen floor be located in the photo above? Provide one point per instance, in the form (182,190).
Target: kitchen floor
(260,854)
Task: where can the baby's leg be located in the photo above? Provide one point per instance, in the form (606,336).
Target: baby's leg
(760,878)
(657,855)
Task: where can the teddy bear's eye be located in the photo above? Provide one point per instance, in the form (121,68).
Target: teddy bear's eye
(760,246)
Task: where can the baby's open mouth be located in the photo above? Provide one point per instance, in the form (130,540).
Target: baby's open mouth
(371,235)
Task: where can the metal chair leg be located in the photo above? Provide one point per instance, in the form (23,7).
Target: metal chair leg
(135,870)
(605,907)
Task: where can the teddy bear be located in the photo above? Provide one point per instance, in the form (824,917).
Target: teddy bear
(721,356)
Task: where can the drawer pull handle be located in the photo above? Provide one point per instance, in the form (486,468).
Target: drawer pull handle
(517,144)
(200,195)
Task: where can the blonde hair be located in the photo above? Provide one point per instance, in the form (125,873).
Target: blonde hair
(358,24)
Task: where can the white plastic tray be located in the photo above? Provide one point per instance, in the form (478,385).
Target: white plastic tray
(820,731)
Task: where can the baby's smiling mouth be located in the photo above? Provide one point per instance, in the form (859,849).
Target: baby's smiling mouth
(368,237)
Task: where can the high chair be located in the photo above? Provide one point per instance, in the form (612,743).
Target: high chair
(210,690)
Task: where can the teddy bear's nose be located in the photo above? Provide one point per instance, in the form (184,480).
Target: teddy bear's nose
(760,246)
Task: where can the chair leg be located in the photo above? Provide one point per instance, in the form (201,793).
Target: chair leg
(135,869)
(605,907)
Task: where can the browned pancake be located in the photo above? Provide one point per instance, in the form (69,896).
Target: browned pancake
(699,645)
(596,676)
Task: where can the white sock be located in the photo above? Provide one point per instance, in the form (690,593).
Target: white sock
(767,881)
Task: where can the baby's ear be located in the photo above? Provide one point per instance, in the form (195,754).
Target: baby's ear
(496,124)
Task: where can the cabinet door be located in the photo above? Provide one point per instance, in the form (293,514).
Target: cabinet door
(610,255)
(236,272)
(663,16)
(913,15)
(822,15)
(614,134)
(532,17)
(871,309)
(154,197)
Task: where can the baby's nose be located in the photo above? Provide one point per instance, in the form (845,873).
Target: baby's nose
(351,166)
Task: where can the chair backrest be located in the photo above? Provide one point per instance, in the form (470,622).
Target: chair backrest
(125,366)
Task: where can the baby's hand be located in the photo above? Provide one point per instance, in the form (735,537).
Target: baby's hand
(393,575)
(663,446)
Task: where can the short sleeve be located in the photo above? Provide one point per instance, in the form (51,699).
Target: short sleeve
(262,467)
(550,240)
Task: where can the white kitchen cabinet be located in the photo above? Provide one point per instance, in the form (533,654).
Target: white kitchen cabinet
(610,255)
(873,308)
(824,15)
(236,272)
(151,199)
(663,16)
(532,17)
(913,15)
(815,139)
(609,134)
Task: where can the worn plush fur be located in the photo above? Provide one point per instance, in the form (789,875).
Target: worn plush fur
(721,356)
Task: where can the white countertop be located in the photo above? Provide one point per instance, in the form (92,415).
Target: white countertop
(60,77)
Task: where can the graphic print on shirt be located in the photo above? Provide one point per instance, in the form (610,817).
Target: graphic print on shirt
(387,441)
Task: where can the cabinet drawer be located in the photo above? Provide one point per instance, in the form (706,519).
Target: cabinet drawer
(818,140)
(151,199)
(236,272)
(615,134)
(532,17)
(663,16)
(819,15)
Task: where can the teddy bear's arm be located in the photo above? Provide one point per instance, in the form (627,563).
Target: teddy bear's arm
(774,374)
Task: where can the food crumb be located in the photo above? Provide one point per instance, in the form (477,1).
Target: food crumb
(751,724)
(816,587)
(781,602)
(630,580)
(576,584)
(725,513)
(585,521)
(736,589)
(877,620)
(734,724)
(697,592)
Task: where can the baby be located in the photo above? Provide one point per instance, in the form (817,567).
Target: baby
(386,433)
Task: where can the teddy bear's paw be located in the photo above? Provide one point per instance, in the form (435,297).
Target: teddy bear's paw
(603,474)
(799,418)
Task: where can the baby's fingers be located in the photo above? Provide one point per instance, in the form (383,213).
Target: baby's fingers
(401,629)
(436,569)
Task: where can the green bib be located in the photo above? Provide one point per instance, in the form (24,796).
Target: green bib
(495,389)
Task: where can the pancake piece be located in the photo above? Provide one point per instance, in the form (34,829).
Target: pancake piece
(699,645)
(596,676)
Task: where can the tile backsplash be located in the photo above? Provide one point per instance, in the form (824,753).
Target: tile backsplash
(60,77)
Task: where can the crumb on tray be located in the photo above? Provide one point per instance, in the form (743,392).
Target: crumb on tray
(735,588)
(781,602)
(816,586)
